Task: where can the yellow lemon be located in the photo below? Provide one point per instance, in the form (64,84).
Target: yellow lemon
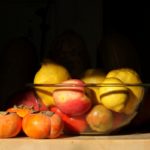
(113,94)
(49,73)
(129,76)
(94,76)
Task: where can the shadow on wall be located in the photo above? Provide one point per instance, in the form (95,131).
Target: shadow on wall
(70,50)
(18,65)
(115,51)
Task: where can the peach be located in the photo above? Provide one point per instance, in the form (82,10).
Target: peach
(100,119)
(72,100)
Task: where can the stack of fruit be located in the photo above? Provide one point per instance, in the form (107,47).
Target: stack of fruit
(96,103)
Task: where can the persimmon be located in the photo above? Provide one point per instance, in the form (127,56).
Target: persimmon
(44,124)
(10,124)
(21,110)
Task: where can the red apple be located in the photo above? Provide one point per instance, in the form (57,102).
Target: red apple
(27,97)
(73,84)
(72,100)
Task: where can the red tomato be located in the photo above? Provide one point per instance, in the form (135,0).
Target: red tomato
(72,125)
(44,124)
(10,125)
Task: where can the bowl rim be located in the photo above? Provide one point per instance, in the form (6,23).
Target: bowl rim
(89,85)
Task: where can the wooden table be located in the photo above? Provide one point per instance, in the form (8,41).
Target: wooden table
(114,142)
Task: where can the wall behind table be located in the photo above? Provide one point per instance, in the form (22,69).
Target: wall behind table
(19,18)
(24,18)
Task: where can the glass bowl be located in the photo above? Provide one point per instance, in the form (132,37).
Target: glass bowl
(95,109)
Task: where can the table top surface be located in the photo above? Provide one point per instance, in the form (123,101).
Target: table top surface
(106,142)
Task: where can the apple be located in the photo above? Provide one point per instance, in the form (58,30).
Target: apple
(72,100)
(28,98)
(73,84)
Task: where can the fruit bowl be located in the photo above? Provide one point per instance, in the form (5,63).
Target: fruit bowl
(95,109)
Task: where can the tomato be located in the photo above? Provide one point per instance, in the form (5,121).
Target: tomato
(44,124)
(72,125)
(10,125)
(21,110)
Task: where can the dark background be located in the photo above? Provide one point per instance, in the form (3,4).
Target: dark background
(41,21)
(130,18)
(30,17)
(91,19)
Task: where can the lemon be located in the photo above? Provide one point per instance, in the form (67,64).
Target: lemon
(94,76)
(129,76)
(49,73)
(112,96)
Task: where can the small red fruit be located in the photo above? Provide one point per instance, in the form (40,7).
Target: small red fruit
(72,125)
